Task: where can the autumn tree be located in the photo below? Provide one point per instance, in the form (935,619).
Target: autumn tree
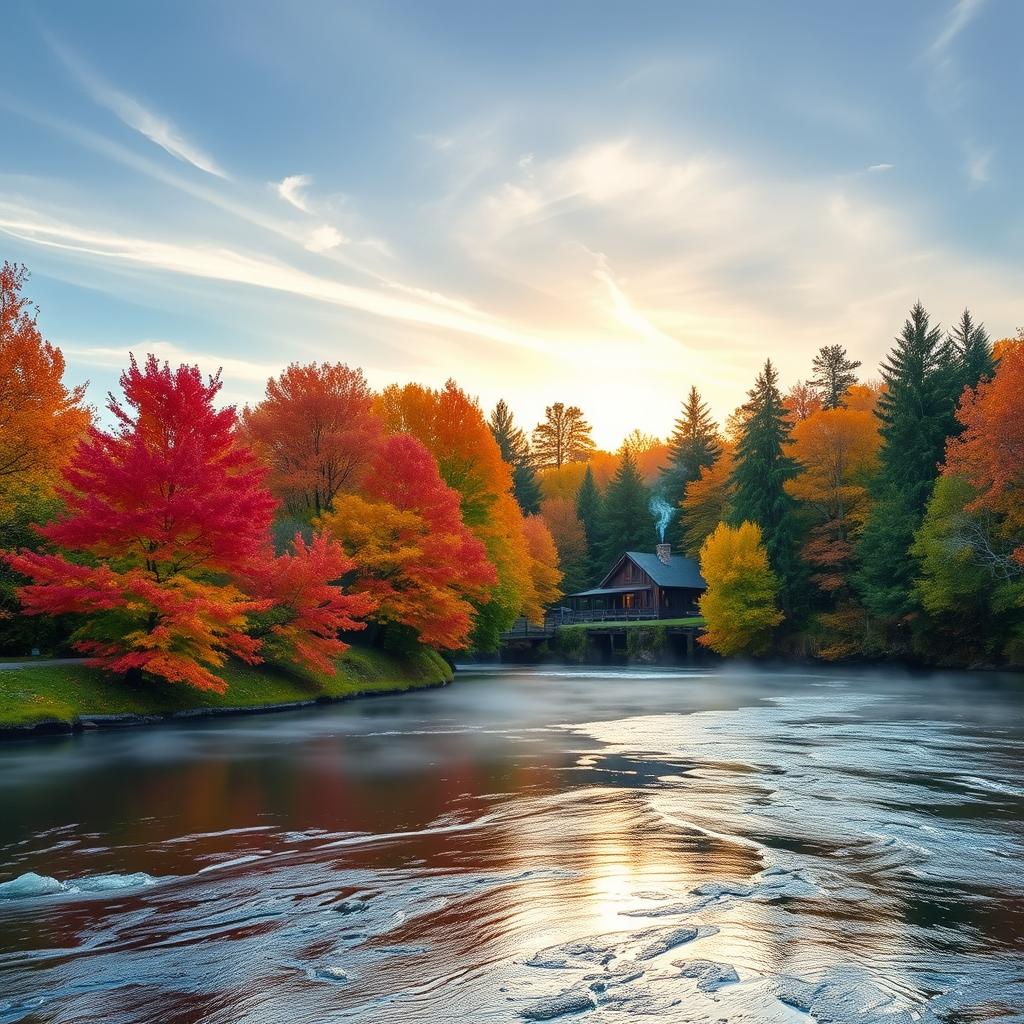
(802,400)
(989,453)
(626,522)
(693,446)
(317,431)
(161,515)
(454,431)
(708,502)
(413,556)
(515,450)
(916,413)
(740,605)
(834,374)
(567,531)
(41,420)
(763,466)
(308,607)
(544,570)
(837,454)
(563,436)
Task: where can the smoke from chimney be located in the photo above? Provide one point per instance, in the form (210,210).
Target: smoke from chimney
(662,512)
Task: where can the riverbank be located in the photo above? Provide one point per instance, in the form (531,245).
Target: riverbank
(52,697)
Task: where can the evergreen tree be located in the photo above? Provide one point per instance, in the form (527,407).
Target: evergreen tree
(921,377)
(692,446)
(515,450)
(833,375)
(627,521)
(762,469)
(973,351)
(564,436)
(590,509)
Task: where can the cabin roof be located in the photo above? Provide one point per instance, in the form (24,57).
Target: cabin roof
(680,571)
(601,591)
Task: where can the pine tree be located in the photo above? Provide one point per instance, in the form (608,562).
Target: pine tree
(590,509)
(515,450)
(833,375)
(692,446)
(564,436)
(627,521)
(970,342)
(762,469)
(921,378)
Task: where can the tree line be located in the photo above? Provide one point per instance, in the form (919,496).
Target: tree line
(841,518)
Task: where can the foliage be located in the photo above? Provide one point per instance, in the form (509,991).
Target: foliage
(973,352)
(916,414)
(453,429)
(740,604)
(40,419)
(763,467)
(515,450)
(566,530)
(626,521)
(316,431)
(411,553)
(990,451)
(692,447)
(646,643)
(159,512)
(707,501)
(837,452)
(563,436)
(834,374)
(802,401)
(590,507)
(544,570)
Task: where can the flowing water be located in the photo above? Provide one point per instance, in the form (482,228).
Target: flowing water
(528,845)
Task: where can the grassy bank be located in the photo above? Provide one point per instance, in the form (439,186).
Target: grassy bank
(70,694)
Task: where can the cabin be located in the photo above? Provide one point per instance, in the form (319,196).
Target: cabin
(642,585)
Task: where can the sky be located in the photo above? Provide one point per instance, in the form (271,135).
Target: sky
(589,202)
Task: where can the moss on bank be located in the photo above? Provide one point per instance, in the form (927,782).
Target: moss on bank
(693,621)
(65,695)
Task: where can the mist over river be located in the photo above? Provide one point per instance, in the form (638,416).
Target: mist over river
(726,846)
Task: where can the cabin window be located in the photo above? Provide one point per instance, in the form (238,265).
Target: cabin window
(627,600)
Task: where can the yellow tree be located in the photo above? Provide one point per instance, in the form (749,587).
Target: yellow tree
(544,570)
(740,604)
(706,501)
(837,450)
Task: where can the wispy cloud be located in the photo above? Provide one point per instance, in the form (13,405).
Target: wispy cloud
(290,190)
(152,125)
(963,12)
(878,168)
(978,165)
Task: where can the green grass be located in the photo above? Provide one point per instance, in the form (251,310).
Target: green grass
(64,693)
(693,621)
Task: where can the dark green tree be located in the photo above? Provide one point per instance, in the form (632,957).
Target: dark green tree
(590,509)
(627,521)
(833,375)
(921,378)
(515,450)
(762,469)
(692,446)
(973,351)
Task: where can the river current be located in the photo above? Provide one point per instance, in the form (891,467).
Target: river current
(685,846)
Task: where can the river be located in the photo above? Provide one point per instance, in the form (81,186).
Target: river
(727,846)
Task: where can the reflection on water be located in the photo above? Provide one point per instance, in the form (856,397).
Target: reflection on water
(529,845)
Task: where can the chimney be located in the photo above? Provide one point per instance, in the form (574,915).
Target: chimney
(664,553)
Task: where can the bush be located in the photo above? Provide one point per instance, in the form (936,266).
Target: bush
(645,643)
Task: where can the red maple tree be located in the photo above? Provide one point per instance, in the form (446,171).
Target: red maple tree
(160,515)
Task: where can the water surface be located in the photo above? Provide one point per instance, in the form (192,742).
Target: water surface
(662,846)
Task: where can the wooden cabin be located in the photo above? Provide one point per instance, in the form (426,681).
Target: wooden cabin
(643,585)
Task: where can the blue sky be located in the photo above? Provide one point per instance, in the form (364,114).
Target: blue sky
(599,203)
